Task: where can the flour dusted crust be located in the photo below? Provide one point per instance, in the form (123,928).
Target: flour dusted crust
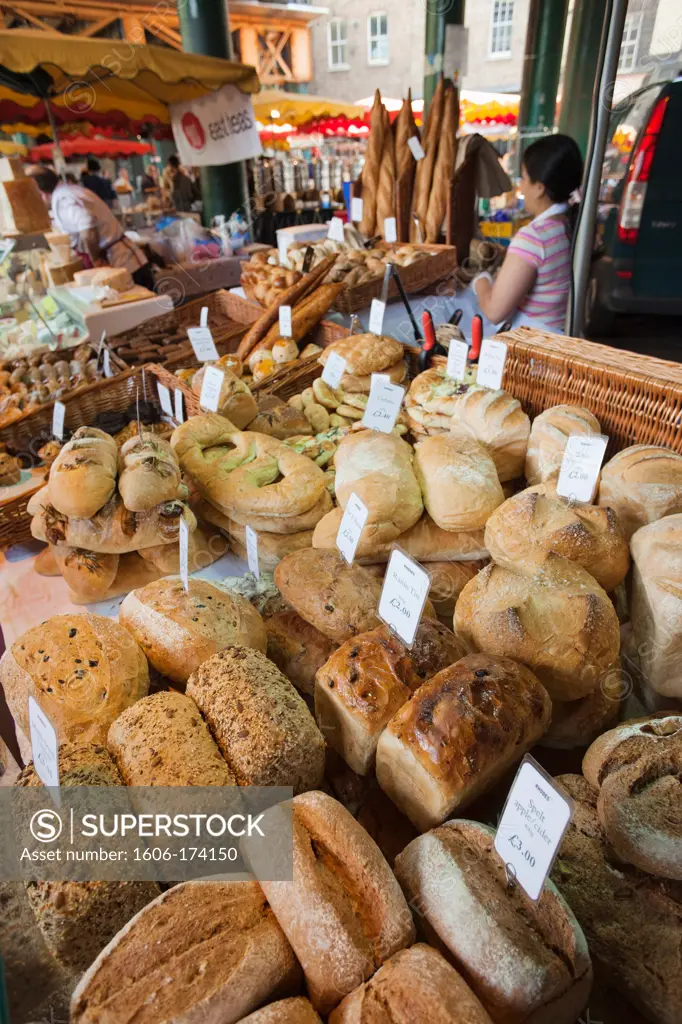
(365,354)
(549,434)
(458,480)
(285,1011)
(496,420)
(642,484)
(235,400)
(83,476)
(148,473)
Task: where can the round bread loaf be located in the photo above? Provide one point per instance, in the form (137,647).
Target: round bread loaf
(530,524)
(297,648)
(458,480)
(83,476)
(496,420)
(365,354)
(558,621)
(235,400)
(285,1011)
(642,484)
(179,630)
(548,436)
(278,419)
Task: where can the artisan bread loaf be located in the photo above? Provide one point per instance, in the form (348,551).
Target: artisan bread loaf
(458,480)
(260,723)
(642,484)
(87,574)
(343,913)
(361,384)
(549,434)
(557,621)
(369,678)
(148,473)
(417,984)
(496,420)
(458,735)
(365,354)
(448,580)
(285,1011)
(529,525)
(83,670)
(278,419)
(133,571)
(206,545)
(632,921)
(307,520)
(272,547)
(203,951)
(434,392)
(297,648)
(83,476)
(235,400)
(525,960)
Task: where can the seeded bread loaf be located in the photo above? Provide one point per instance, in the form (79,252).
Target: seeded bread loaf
(297,648)
(285,1011)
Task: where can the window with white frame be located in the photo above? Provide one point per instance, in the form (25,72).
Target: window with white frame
(501,18)
(630,42)
(377,38)
(338,43)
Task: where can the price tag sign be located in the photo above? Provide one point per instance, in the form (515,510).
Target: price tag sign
(352,524)
(184,554)
(581,466)
(202,342)
(383,404)
(106,363)
(165,399)
(335,231)
(203,317)
(390,230)
(58,414)
(334,369)
(457,359)
(532,825)
(356,211)
(282,249)
(211,387)
(376,316)
(44,744)
(285,321)
(491,364)
(252,551)
(416,148)
(403,596)
(179,408)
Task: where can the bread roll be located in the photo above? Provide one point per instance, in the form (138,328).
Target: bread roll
(559,622)
(525,960)
(149,473)
(235,400)
(529,525)
(203,951)
(285,1011)
(83,670)
(496,420)
(458,481)
(368,680)
(297,648)
(548,436)
(272,547)
(260,723)
(87,574)
(642,484)
(458,735)
(83,476)
(365,354)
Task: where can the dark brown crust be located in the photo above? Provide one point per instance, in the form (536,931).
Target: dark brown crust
(297,648)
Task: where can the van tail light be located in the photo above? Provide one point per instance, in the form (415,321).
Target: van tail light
(634,193)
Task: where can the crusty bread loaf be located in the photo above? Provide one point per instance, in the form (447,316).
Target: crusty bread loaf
(656,604)
(83,670)
(285,1011)
(344,913)
(206,545)
(458,480)
(361,383)
(297,648)
(530,524)
(525,960)
(496,420)
(444,167)
(307,520)
(548,436)
(372,167)
(365,354)
(448,580)
(272,547)
(642,484)
(278,419)
(387,177)
(83,476)
(423,179)
(203,951)
(235,400)
(148,473)
(369,678)
(435,392)
(86,573)
(260,723)
(458,735)
(133,571)
(557,621)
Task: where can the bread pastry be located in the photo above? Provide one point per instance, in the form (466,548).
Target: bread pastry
(83,670)
(235,400)
(559,622)
(148,473)
(365,354)
(179,630)
(496,420)
(297,648)
(526,527)
(458,480)
(656,604)
(642,484)
(203,951)
(457,736)
(285,1011)
(206,545)
(83,476)
(369,678)
(278,419)
(87,574)
(260,723)
(548,436)
(525,960)
(272,547)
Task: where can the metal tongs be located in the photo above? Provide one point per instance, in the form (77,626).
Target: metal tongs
(405,301)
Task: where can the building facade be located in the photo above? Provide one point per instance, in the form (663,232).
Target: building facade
(496,40)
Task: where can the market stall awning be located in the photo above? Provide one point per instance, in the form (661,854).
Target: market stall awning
(476,107)
(82,145)
(276,107)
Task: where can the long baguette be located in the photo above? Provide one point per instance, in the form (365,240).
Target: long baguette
(372,168)
(386,191)
(306,315)
(444,170)
(424,175)
(405,128)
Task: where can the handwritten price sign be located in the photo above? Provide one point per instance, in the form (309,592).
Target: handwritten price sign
(383,404)
(352,525)
(406,586)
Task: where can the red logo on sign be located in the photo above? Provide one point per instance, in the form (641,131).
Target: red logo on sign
(194,130)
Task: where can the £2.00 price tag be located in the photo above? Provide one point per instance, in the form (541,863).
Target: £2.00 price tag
(334,369)
(179,408)
(252,551)
(532,825)
(210,388)
(376,316)
(352,524)
(390,230)
(491,364)
(285,321)
(44,744)
(416,147)
(356,209)
(457,359)
(165,399)
(383,404)
(184,554)
(58,414)
(403,596)
(202,342)
(581,466)
(335,231)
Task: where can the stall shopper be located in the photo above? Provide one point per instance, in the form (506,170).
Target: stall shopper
(178,190)
(94,231)
(96,182)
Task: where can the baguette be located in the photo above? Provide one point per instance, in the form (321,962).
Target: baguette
(372,168)
(444,168)
(430,139)
(305,315)
(406,167)
(385,192)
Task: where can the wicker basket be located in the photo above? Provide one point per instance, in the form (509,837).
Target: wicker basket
(293,381)
(416,278)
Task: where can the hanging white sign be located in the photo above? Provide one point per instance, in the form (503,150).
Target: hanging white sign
(219,128)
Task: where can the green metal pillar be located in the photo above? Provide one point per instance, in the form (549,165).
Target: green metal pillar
(581,70)
(205,29)
(542,68)
(439,13)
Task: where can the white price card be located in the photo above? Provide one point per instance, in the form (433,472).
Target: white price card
(532,825)
(581,466)
(334,369)
(356,209)
(285,321)
(383,404)
(211,387)
(457,359)
(106,363)
(335,231)
(416,147)
(252,551)
(282,248)
(491,364)
(202,342)
(390,229)
(179,408)
(184,554)
(403,596)
(165,399)
(352,524)
(58,414)
(44,744)
(203,317)
(376,316)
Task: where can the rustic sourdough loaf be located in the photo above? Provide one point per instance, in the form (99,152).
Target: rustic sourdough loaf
(656,604)
(285,1011)
(83,476)
(365,354)
(643,484)
(549,434)
(297,648)
(496,420)
(148,473)
(458,480)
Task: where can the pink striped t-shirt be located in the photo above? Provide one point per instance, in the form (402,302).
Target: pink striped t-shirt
(544,243)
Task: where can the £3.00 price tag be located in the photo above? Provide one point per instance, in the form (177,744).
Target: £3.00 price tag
(285,321)
(44,744)
(202,342)
(252,551)
(165,399)
(184,554)
(532,825)
(581,466)
(210,388)
(179,408)
(376,316)
(335,231)
(334,369)
(352,524)
(457,359)
(491,364)
(403,596)
(416,147)
(383,404)
(58,414)
(390,230)
(356,210)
